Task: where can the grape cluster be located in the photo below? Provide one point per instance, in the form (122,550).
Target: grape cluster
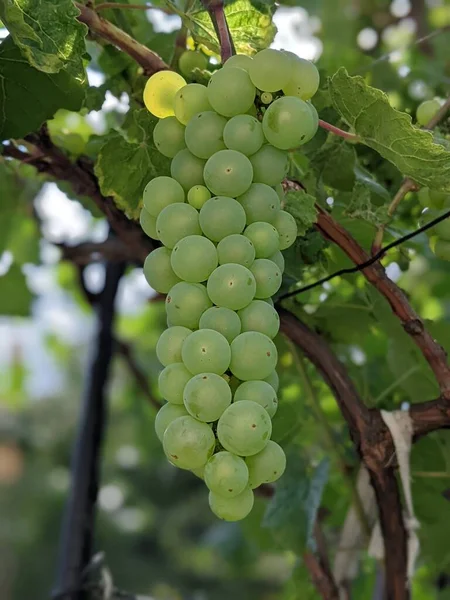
(220,221)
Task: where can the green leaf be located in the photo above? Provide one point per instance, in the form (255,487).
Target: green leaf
(301,206)
(15,299)
(335,163)
(125,166)
(48,34)
(361,207)
(29,97)
(390,132)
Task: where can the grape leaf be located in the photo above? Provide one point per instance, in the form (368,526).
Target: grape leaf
(335,162)
(361,207)
(15,299)
(125,165)
(48,34)
(301,206)
(29,97)
(390,132)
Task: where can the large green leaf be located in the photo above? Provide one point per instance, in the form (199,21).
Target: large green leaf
(48,34)
(390,132)
(301,206)
(29,97)
(15,299)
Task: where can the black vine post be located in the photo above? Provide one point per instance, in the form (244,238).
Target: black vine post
(76,541)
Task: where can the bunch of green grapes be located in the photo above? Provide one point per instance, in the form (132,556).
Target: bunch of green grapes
(222,228)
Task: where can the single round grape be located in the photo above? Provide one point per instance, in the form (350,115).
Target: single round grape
(426,111)
(226,474)
(199,472)
(266,466)
(187,169)
(194,258)
(433,199)
(260,202)
(267,276)
(206,396)
(288,123)
(190,100)
(185,304)
(278,259)
(232,509)
(160,192)
(228,173)
(188,444)
(264,237)
(236,249)
(268,301)
(260,316)
(204,134)
(269,165)
(166,414)
(232,286)
(244,428)
(286,226)
(304,80)
(223,320)
(279,190)
(168,136)
(148,224)
(230,91)
(270,70)
(158,271)
(253,356)
(175,222)
(198,195)
(190,60)
(260,392)
(266,97)
(206,351)
(241,61)
(168,348)
(314,122)
(273,380)
(243,133)
(160,91)
(441,249)
(221,216)
(171,382)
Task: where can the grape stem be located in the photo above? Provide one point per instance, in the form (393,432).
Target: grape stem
(219,20)
(340,132)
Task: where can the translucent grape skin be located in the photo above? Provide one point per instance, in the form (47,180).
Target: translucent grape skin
(160,91)
(253,356)
(232,286)
(286,226)
(260,392)
(188,443)
(148,224)
(220,217)
(264,237)
(267,276)
(260,202)
(426,111)
(160,192)
(194,258)
(278,259)
(288,123)
(185,304)
(260,316)
(226,474)
(190,60)
(242,61)
(206,396)
(270,70)
(168,348)
(206,351)
(267,466)
(273,380)
(168,136)
(223,320)
(166,414)
(304,80)
(232,509)
(269,165)
(187,169)
(176,222)
(243,133)
(244,428)
(231,92)
(228,173)
(198,195)
(158,271)
(236,249)
(171,382)
(190,100)
(204,134)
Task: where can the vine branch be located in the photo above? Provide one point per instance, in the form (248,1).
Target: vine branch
(339,132)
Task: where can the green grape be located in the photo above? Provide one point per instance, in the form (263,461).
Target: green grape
(252,111)
(260,316)
(433,199)
(260,202)
(304,80)
(148,224)
(266,97)
(194,258)
(243,133)
(171,382)
(244,428)
(158,271)
(266,466)
(185,304)
(168,136)
(228,173)
(166,414)
(273,380)
(230,91)
(268,277)
(232,286)
(314,122)
(198,195)
(190,100)
(234,383)
(279,190)
(232,509)
(187,169)
(236,249)
(268,301)
(206,396)
(286,226)
(199,472)
(241,61)
(269,165)
(188,444)
(160,192)
(427,110)
(288,123)
(270,70)
(168,348)
(160,91)
(253,356)
(220,217)
(260,392)
(441,249)
(204,134)
(278,259)
(176,222)
(223,320)
(226,474)
(264,237)
(191,60)
(206,351)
